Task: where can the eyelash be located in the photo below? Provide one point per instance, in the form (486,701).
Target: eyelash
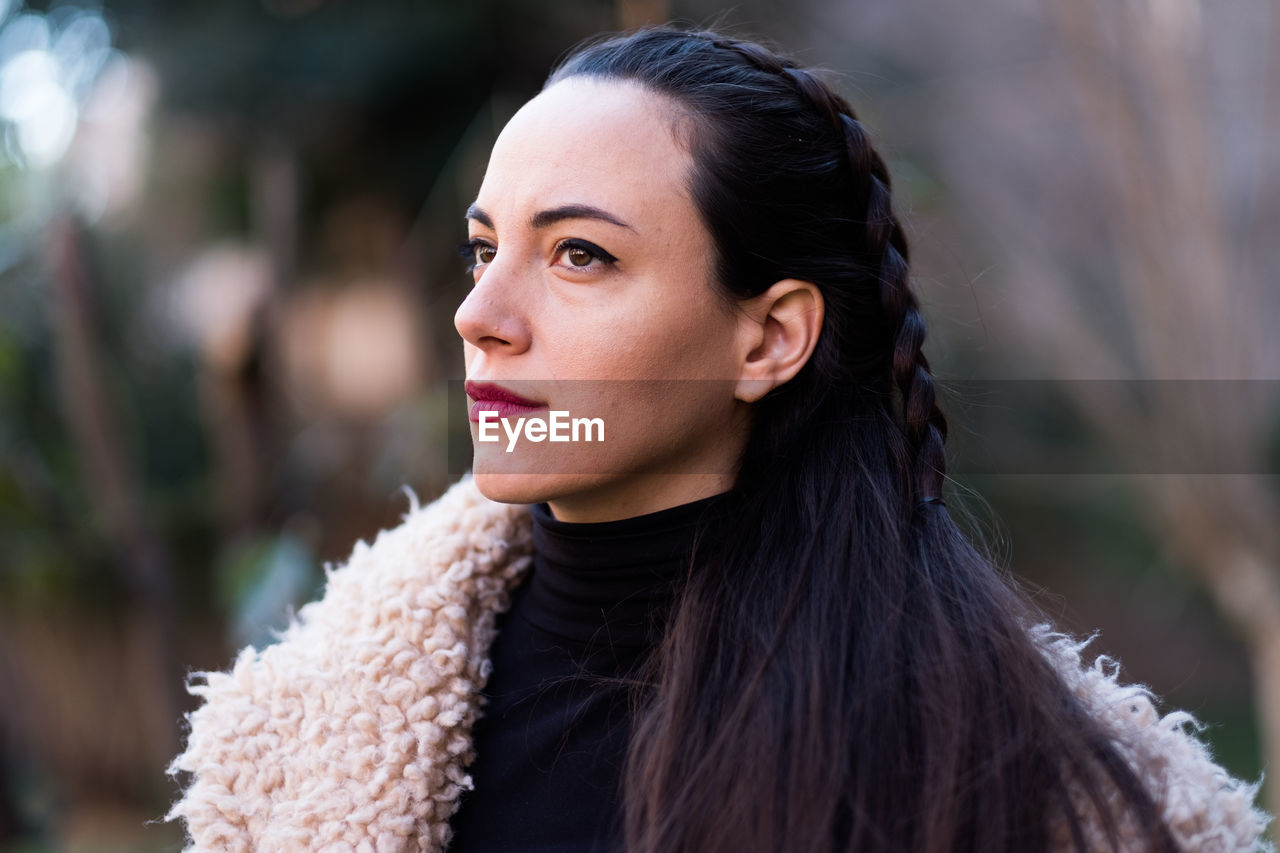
(590,248)
(468,251)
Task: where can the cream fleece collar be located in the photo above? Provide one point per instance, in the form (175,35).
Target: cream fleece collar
(353,732)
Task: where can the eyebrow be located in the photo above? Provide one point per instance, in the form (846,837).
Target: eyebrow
(543,218)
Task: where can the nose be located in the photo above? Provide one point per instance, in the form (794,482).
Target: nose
(490,318)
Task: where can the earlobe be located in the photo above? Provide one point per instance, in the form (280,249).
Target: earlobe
(780,329)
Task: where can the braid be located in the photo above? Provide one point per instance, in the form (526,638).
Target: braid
(886,250)
(922,419)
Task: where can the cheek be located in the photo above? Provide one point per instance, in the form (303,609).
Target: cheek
(698,344)
(654,425)
(679,427)
(692,342)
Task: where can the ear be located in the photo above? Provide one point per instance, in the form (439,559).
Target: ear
(777,334)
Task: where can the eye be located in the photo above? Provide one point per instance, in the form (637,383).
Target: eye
(478,252)
(580,254)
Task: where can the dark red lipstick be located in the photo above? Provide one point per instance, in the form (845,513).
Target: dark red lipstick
(489,397)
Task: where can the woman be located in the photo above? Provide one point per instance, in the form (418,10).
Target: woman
(750,622)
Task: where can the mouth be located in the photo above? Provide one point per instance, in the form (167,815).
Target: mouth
(489,397)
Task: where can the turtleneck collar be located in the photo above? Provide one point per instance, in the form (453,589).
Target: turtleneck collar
(610,582)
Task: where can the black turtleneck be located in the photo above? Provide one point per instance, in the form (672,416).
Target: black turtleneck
(552,741)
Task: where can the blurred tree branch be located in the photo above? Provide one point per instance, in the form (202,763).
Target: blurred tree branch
(1192,309)
(139,554)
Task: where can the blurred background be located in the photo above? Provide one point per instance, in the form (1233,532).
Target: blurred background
(227,282)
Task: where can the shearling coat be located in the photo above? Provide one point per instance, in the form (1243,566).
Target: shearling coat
(353,732)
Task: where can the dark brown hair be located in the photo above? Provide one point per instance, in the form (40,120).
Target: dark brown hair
(844,670)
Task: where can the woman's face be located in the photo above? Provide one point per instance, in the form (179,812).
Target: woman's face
(594,296)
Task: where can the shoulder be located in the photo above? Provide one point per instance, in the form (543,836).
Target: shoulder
(1203,805)
(355,726)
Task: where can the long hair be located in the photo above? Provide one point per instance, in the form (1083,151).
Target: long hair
(843,670)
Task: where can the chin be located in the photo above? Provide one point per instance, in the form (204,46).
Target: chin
(529,488)
(504,485)
(510,488)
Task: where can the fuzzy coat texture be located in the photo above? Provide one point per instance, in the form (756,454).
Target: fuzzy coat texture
(353,732)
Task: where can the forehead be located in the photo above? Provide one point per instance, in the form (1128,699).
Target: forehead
(607,143)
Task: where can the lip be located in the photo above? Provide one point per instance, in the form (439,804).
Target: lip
(489,397)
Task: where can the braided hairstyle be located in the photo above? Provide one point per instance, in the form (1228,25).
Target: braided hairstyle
(843,669)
